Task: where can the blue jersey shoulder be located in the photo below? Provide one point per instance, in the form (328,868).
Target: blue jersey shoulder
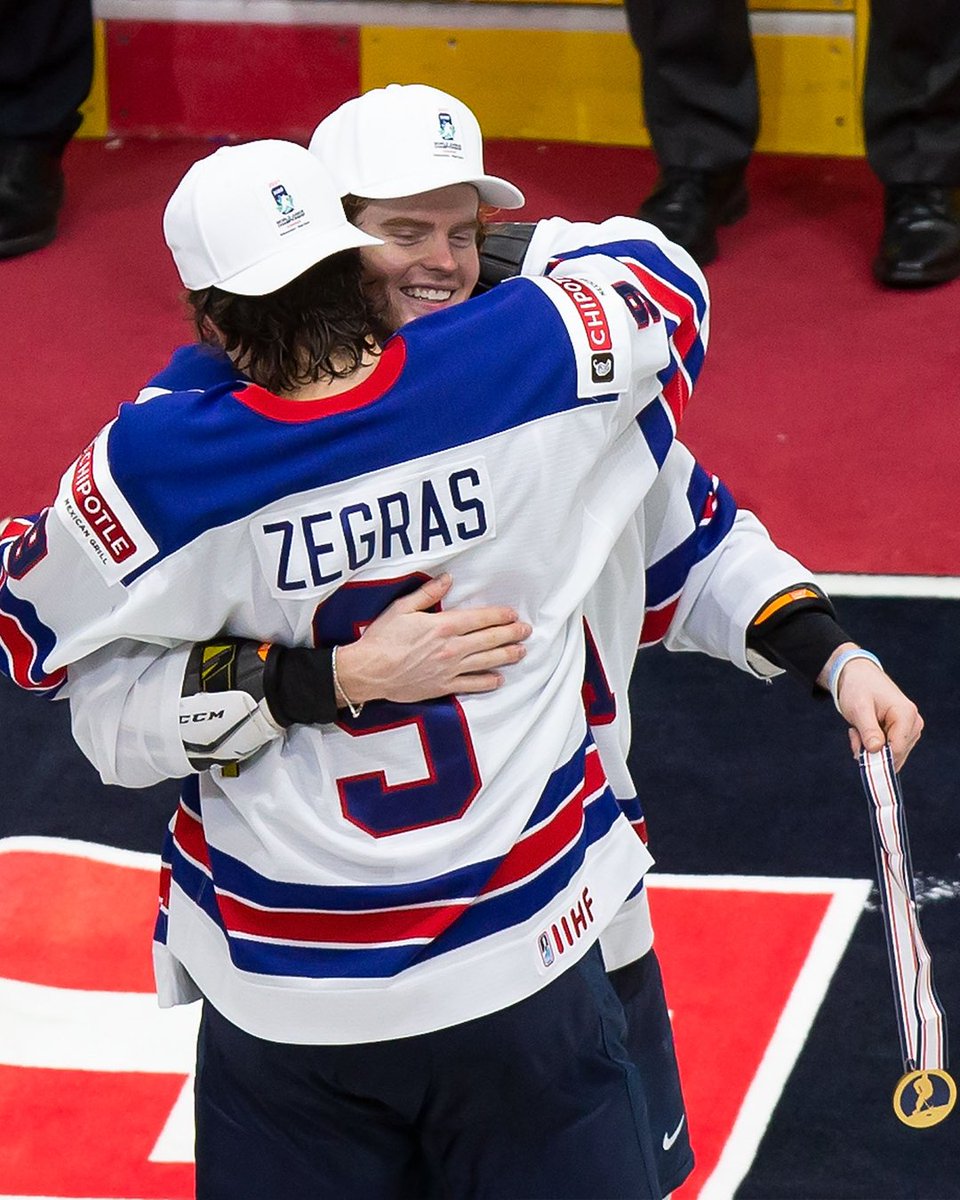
(195,368)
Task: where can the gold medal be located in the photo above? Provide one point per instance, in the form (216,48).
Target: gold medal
(924,1098)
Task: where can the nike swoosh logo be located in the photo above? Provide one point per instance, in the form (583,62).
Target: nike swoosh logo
(670,1138)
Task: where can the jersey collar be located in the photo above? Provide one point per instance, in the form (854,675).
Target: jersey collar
(294,412)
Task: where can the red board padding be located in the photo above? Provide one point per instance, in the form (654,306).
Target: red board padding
(189,79)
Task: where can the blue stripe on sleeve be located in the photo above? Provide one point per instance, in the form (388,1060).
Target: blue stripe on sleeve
(667,577)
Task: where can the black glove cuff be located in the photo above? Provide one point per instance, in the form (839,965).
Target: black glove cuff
(800,643)
(298,685)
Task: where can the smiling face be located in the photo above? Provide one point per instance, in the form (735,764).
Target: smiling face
(429,259)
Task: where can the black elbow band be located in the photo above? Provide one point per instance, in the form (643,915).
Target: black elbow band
(298,685)
(797,631)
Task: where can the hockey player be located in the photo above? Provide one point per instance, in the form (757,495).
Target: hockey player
(708,569)
(365,939)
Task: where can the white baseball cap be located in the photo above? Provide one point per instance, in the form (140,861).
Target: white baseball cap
(251,218)
(405,139)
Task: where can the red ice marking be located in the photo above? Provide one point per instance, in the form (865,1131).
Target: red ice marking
(71,922)
(87,1133)
(730,960)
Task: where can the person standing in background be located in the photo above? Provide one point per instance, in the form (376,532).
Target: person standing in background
(701,106)
(46,69)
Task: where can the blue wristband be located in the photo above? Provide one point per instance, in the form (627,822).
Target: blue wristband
(833,679)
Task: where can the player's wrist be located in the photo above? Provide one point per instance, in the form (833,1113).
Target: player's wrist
(349,685)
(830,677)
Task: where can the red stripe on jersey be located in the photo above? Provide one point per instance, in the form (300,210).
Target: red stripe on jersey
(677,390)
(402,924)
(656,622)
(189,836)
(354,928)
(13,527)
(22,653)
(538,848)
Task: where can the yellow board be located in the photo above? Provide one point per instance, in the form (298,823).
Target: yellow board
(556,85)
(94,108)
(755,5)
(802,5)
(521,83)
(809,99)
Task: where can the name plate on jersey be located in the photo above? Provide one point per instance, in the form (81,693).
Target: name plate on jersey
(308,548)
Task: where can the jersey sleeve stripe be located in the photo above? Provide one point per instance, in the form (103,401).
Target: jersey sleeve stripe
(712,514)
(658,430)
(656,622)
(25,643)
(642,250)
(666,577)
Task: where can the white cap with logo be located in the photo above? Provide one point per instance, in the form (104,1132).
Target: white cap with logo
(251,218)
(405,139)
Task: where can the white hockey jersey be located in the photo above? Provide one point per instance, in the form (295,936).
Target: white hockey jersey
(420,865)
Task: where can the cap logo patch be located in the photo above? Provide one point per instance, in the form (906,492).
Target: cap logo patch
(291,217)
(282,199)
(447,146)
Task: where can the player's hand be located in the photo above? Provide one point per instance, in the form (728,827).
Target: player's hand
(408,654)
(875,709)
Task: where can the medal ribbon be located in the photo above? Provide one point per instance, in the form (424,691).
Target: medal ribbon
(922,1026)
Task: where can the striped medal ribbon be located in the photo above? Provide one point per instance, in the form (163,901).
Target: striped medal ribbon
(926,1092)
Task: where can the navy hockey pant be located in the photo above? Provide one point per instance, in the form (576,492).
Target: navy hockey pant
(540,1100)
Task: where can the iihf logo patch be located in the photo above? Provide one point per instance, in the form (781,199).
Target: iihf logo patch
(601,367)
(447,130)
(546,950)
(282,199)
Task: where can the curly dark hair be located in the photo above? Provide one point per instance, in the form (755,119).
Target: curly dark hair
(317,326)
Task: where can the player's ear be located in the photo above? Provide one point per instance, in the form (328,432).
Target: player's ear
(211,333)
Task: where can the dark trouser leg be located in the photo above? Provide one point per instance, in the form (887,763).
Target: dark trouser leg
(912,93)
(911,116)
(699,80)
(46,68)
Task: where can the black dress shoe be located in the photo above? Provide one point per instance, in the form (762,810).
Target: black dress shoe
(31,192)
(688,205)
(920,245)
